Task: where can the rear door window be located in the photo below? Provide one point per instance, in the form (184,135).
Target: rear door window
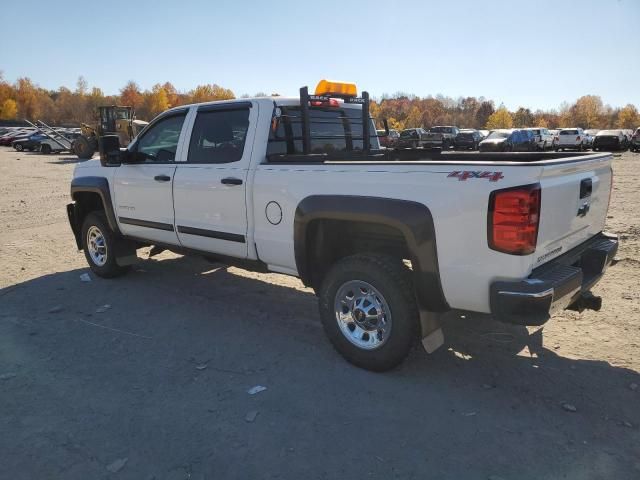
(332,130)
(219,135)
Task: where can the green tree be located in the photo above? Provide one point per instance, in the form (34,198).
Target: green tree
(485,110)
(523,118)
(501,118)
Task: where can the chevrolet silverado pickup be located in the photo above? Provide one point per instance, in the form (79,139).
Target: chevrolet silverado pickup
(389,240)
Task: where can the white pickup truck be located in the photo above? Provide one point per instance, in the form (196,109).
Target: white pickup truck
(389,240)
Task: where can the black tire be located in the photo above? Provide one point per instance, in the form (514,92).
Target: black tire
(45,148)
(110,268)
(83,147)
(393,281)
(19,147)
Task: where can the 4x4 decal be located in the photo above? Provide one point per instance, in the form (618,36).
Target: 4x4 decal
(463,175)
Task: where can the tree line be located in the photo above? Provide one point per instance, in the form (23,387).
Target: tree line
(26,100)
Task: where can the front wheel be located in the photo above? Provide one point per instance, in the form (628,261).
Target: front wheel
(83,147)
(368,310)
(18,147)
(45,148)
(98,243)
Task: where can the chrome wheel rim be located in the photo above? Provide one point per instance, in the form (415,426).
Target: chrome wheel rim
(363,315)
(96,246)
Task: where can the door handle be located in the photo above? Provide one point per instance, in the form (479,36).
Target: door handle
(162,178)
(231,181)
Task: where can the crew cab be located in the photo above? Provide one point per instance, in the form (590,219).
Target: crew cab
(389,240)
(443,137)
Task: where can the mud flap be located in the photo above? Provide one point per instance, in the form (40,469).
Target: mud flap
(431,331)
(125,251)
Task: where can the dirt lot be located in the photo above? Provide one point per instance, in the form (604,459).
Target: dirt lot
(155,385)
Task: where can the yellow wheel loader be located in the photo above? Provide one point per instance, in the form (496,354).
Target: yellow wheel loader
(112,120)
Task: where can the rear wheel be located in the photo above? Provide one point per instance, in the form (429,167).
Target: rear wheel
(98,243)
(45,148)
(18,147)
(368,310)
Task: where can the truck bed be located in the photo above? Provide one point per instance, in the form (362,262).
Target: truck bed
(436,156)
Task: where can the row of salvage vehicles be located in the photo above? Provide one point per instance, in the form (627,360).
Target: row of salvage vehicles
(83,142)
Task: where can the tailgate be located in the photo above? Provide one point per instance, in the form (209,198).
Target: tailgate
(575,199)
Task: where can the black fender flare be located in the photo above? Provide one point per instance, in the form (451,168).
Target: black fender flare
(412,219)
(100,186)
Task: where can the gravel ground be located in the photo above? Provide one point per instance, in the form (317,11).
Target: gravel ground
(147,376)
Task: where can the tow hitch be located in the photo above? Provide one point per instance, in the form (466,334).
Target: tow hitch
(586,301)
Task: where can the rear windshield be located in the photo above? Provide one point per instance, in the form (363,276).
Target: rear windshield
(498,135)
(569,132)
(466,135)
(440,130)
(407,133)
(608,132)
(331,129)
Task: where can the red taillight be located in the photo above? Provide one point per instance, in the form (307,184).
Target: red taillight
(332,102)
(514,215)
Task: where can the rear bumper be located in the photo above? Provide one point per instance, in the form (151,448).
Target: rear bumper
(555,285)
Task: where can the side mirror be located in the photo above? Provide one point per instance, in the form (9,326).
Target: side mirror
(109,147)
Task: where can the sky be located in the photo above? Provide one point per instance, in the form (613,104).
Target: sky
(536,54)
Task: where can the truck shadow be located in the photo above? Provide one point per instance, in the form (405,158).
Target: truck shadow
(66,160)
(174,320)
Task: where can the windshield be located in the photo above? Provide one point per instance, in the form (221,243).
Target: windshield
(608,132)
(569,132)
(440,130)
(407,133)
(493,135)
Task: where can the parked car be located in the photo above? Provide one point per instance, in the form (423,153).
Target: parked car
(500,238)
(443,137)
(411,138)
(543,138)
(10,137)
(390,140)
(635,141)
(571,139)
(508,140)
(468,139)
(592,132)
(32,142)
(610,140)
(49,145)
(484,133)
